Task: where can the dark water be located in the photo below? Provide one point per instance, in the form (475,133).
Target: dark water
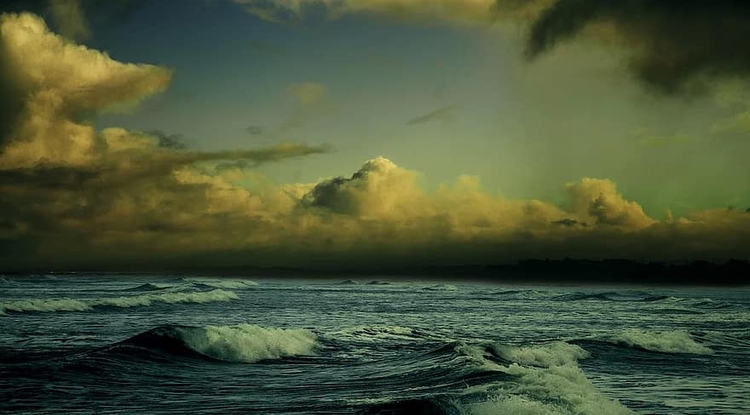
(86,344)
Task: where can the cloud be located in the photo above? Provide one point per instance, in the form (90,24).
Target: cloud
(173,141)
(59,174)
(51,84)
(69,17)
(308,93)
(599,202)
(75,197)
(674,45)
(446,113)
(310,104)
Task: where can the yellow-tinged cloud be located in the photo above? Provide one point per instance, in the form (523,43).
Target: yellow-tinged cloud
(56,83)
(73,196)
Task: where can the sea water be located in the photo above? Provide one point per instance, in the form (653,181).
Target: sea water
(170,344)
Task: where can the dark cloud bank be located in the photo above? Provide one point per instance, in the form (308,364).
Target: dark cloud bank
(674,45)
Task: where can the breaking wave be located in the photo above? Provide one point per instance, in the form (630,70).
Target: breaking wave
(542,379)
(668,341)
(244,343)
(87,304)
(549,381)
(229,284)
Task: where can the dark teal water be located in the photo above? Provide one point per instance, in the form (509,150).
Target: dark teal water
(99,344)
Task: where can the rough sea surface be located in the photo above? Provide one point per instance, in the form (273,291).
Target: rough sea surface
(158,345)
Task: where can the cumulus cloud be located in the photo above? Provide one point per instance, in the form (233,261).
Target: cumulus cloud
(58,173)
(52,85)
(72,196)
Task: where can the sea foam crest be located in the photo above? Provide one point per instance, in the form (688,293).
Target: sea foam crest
(231,284)
(668,341)
(86,304)
(550,382)
(248,343)
(544,355)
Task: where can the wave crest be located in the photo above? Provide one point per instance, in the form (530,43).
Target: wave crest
(543,355)
(230,284)
(669,341)
(548,381)
(244,343)
(87,304)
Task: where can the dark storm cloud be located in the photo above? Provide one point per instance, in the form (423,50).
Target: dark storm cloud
(672,42)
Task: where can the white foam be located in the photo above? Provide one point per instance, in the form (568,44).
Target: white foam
(86,304)
(249,343)
(231,284)
(554,384)
(45,305)
(545,355)
(667,341)
(515,405)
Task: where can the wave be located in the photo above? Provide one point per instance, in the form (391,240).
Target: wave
(87,304)
(427,406)
(384,334)
(440,287)
(546,355)
(230,284)
(668,341)
(534,380)
(627,296)
(148,287)
(549,382)
(244,343)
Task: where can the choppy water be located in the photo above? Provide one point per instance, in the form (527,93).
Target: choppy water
(90,344)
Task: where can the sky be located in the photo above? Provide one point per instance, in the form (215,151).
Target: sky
(371,133)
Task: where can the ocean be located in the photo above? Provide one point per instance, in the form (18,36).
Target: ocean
(108,344)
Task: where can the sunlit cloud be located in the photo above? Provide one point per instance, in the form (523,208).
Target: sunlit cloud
(75,196)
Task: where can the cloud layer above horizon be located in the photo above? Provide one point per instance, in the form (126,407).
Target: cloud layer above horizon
(75,196)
